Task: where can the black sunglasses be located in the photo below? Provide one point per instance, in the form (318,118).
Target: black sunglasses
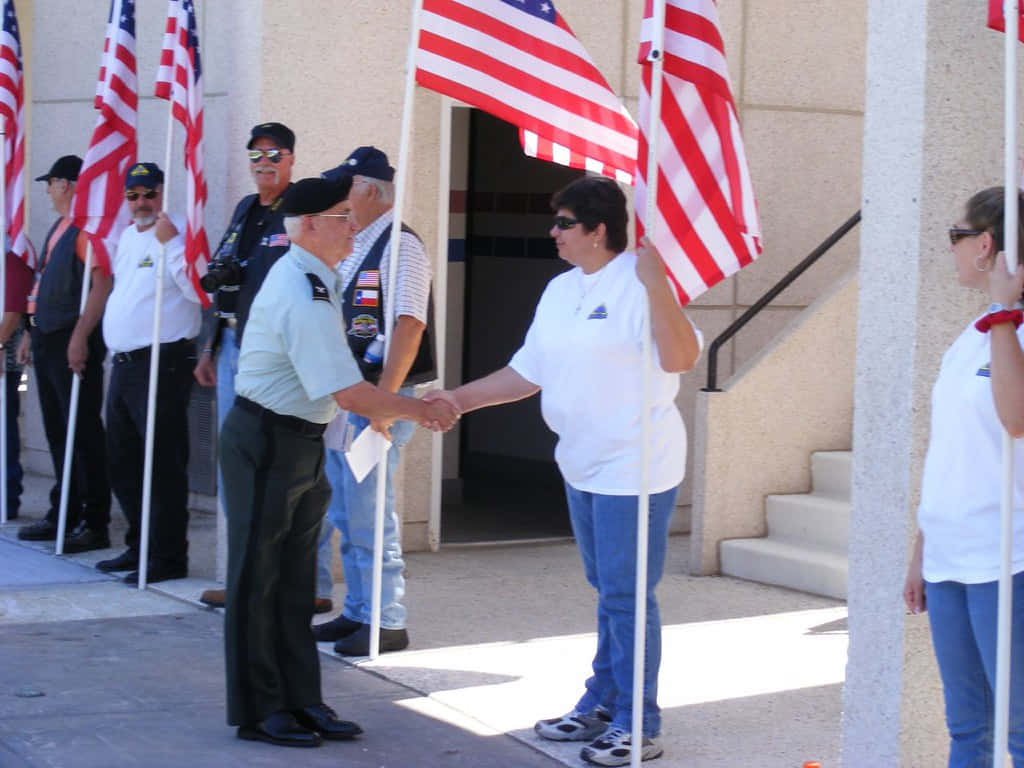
(956,234)
(273,155)
(565,222)
(135,195)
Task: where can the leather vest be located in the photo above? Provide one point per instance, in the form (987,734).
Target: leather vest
(60,283)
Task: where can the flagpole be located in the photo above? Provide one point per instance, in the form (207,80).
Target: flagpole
(76,385)
(5,236)
(643,501)
(389,317)
(1011,15)
(444,177)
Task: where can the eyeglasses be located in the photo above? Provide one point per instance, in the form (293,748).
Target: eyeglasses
(343,216)
(565,222)
(149,195)
(273,155)
(956,234)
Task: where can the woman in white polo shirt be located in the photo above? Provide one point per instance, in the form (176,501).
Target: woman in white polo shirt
(583,353)
(954,568)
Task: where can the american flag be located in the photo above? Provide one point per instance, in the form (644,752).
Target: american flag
(707,224)
(179,80)
(99,207)
(519,61)
(997,21)
(12,114)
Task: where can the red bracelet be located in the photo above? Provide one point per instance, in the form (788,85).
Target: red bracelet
(1014,316)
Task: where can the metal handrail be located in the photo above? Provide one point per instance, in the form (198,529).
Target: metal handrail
(778,288)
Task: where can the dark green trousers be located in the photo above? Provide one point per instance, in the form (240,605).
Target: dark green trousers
(276,494)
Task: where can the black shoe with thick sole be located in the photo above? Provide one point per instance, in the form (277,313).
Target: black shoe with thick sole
(325,721)
(334,630)
(158,572)
(358,643)
(282,729)
(44,530)
(126,561)
(85,540)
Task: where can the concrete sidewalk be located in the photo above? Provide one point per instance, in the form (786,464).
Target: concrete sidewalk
(501,636)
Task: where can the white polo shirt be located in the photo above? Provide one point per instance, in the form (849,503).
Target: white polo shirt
(961,487)
(584,350)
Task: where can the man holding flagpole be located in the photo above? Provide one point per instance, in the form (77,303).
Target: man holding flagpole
(128,332)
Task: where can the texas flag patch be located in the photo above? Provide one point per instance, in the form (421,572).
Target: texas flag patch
(364,298)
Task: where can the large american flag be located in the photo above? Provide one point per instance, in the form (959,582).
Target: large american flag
(99,207)
(179,80)
(519,61)
(12,113)
(707,224)
(997,21)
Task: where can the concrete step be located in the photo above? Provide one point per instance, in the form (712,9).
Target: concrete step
(830,473)
(786,564)
(809,519)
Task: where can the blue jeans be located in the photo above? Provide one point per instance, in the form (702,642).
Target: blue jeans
(351,511)
(605,530)
(963,623)
(227,368)
(14,471)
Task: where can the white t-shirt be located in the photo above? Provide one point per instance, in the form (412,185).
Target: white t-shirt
(128,317)
(961,488)
(584,350)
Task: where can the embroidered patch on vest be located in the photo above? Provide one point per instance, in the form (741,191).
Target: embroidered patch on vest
(364,298)
(320,292)
(368,279)
(363,326)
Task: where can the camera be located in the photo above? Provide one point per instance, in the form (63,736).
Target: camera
(221,272)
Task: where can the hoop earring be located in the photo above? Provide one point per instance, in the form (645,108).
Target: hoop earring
(983,265)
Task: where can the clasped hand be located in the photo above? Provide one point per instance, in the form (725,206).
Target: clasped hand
(442,411)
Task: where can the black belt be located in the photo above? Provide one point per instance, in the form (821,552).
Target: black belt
(143,353)
(294,423)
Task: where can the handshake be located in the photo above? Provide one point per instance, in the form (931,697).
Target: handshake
(442,410)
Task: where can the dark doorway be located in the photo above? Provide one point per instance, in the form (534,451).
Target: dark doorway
(509,487)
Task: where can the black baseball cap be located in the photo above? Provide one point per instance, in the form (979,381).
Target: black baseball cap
(365,161)
(146,175)
(314,195)
(66,167)
(280,133)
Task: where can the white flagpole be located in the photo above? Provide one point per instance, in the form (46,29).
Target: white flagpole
(5,238)
(444,176)
(1011,14)
(154,371)
(389,316)
(76,385)
(643,501)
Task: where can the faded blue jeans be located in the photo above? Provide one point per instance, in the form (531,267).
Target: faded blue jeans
(963,622)
(605,528)
(351,511)
(227,368)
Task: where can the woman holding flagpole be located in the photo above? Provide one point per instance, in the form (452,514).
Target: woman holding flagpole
(954,568)
(583,353)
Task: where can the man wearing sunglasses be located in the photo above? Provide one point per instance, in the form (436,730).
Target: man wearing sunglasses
(128,332)
(255,239)
(409,361)
(65,343)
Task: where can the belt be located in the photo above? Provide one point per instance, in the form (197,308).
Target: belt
(231,322)
(294,423)
(142,353)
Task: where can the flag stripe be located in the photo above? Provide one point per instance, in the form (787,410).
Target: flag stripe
(12,115)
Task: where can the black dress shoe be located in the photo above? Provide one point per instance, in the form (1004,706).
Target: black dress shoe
(324,721)
(86,540)
(358,643)
(280,728)
(124,562)
(158,572)
(335,629)
(44,530)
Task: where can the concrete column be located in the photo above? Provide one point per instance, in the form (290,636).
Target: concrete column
(933,136)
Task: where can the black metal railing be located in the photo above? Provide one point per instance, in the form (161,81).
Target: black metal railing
(775,290)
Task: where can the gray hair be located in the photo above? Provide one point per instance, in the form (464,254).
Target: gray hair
(292,225)
(385,189)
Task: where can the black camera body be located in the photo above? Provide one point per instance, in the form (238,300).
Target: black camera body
(220,272)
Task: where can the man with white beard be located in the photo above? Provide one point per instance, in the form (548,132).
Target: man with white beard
(128,332)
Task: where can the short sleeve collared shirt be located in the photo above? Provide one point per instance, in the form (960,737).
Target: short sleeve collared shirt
(294,356)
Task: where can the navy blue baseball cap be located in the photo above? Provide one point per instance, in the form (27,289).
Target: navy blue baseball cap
(280,133)
(146,175)
(365,161)
(309,196)
(66,167)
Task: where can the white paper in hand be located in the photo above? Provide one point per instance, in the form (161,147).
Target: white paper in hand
(365,452)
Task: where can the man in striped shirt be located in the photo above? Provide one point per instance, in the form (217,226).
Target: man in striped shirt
(409,361)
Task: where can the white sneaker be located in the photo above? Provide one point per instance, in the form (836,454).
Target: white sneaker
(574,726)
(614,747)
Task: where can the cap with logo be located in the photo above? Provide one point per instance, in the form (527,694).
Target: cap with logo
(66,167)
(146,175)
(280,133)
(314,195)
(365,161)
